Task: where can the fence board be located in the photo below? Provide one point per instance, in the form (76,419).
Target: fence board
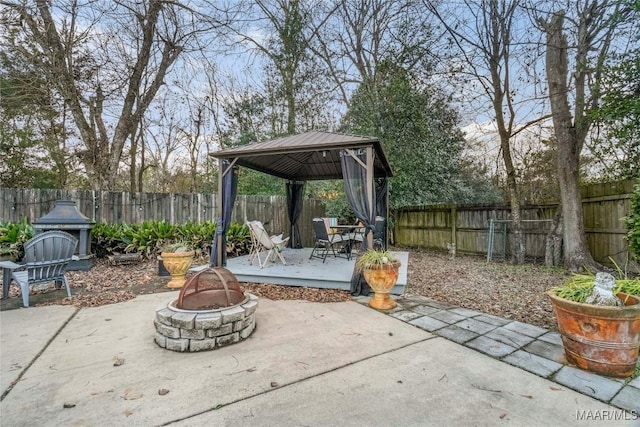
(604,206)
(118,207)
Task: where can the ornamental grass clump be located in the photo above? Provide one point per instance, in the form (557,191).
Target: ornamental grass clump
(579,287)
(374,258)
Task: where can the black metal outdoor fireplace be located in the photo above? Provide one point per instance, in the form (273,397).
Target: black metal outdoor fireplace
(65,216)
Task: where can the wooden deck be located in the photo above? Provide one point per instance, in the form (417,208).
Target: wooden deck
(334,273)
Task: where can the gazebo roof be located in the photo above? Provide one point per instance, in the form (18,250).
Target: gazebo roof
(305,157)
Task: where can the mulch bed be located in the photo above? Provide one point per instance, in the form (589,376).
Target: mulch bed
(498,288)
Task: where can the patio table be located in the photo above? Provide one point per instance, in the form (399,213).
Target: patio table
(350,232)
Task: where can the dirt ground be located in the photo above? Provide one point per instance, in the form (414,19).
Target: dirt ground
(501,289)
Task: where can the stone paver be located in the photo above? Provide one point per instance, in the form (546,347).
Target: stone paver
(457,334)
(628,398)
(440,305)
(465,312)
(490,347)
(492,320)
(476,326)
(593,385)
(551,337)
(547,350)
(510,337)
(529,347)
(425,310)
(447,316)
(524,328)
(428,324)
(405,316)
(532,363)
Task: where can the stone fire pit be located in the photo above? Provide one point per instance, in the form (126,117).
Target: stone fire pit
(210,312)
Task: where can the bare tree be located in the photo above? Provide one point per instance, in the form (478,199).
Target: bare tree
(490,51)
(356,36)
(281,31)
(107,60)
(577,46)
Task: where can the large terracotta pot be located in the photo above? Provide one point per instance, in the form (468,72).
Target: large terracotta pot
(177,264)
(381,279)
(601,339)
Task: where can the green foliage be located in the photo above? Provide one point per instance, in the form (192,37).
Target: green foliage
(198,236)
(616,145)
(150,238)
(374,257)
(579,287)
(257,183)
(335,203)
(420,135)
(13,236)
(238,240)
(633,224)
(176,247)
(107,239)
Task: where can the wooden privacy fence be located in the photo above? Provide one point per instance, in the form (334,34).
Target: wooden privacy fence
(467,226)
(119,207)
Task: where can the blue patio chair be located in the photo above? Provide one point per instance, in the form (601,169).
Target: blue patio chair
(46,257)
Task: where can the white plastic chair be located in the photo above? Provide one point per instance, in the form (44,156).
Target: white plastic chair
(262,242)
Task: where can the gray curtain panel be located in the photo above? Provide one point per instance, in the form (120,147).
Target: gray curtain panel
(295,193)
(229,191)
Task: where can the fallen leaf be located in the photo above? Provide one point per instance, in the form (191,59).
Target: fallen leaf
(555,388)
(163,391)
(274,384)
(127,413)
(69,405)
(504,414)
(527,396)
(94,393)
(129,395)
(118,361)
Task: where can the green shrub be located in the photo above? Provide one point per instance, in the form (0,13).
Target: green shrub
(13,236)
(633,224)
(150,237)
(107,239)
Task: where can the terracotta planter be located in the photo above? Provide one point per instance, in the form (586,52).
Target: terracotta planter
(177,264)
(381,279)
(601,339)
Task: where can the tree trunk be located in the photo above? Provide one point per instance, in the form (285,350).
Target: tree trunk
(576,250)
(517,241)
(132,159)
(553,241)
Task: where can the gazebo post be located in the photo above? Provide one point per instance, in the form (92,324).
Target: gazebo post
(221,173)
(370,191)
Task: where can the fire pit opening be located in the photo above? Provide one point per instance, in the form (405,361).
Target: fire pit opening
(211,311)
(210,289)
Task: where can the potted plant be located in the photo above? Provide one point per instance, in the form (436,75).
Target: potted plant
(599,321)
(380,269)
(177,259)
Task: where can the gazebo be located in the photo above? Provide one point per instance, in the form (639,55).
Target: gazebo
(359,161)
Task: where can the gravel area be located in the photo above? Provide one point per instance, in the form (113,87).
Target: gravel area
(510,291)
(498,288)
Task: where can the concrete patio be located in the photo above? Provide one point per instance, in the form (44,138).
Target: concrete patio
(306,364)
